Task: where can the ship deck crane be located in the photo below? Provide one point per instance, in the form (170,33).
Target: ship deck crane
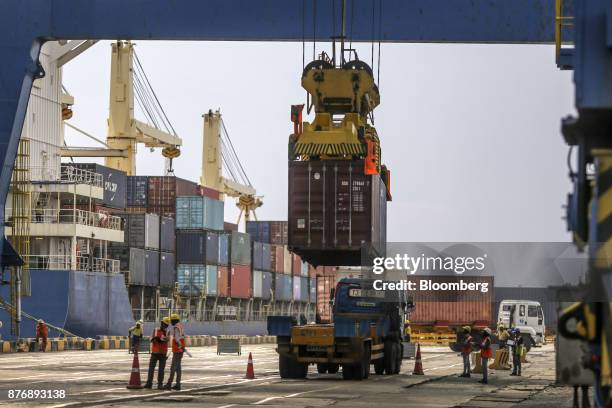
(129,85)
(218,154)
(26,24)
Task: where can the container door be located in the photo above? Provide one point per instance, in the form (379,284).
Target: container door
(308,190)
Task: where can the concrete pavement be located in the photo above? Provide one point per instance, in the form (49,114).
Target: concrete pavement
(99,378)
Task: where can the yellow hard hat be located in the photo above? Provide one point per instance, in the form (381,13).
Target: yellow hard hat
(467,328)
(174,316)
(41,321)
(166,320)
(501,326)
(407,321)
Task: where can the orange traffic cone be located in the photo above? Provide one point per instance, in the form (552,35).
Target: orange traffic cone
(250,374)
(418,364)
(135,383)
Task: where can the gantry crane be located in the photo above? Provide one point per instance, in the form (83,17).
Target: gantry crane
(25,25)
(217,152)
(125,132)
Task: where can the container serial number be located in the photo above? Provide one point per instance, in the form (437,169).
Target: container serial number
(36,394)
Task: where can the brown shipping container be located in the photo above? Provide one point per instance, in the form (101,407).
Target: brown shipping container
(136,210)
(334,210)
(240,281)
(277,255)
(279,232)
(223,281)
(228,226)
(296,265)
(452,308)
(163,191)
(207,192)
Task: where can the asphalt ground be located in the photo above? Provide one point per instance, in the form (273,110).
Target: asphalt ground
(99,378)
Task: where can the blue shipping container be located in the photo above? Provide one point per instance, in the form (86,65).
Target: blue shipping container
(214,212)
(211,280)
(266,257)
(190,247)
(312,283)
(259,231)
(297,289)
(284,287)
(304,289)
(191,279)
(224,242)
(212,248)
(189,212)
(137,189)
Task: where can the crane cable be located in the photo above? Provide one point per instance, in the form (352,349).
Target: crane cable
(233,156)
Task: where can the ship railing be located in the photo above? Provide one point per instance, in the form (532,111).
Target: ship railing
(75,216)
(51,262)
(63,262)
(77,175)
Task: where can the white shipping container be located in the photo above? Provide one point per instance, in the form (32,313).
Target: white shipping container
(287,260)
(257,284)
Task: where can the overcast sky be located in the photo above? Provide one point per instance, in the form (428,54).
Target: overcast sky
(470,132)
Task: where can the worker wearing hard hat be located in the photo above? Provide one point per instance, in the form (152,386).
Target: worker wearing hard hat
(502,335)
(485,354)
(159,352)
(177,333)
(518,349)
(466,351)
(42,333)
(407,331)
(136,332)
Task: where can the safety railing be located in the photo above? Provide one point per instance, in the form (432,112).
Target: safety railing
(75,216)
(561,22)
(63,262)
(73,174)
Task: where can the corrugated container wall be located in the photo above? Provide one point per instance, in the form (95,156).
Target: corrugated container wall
(162,193)
(312,282)
(324,286)
(144,267)
(304,289)
(140,230)
(212,248)
(214,212)
(283,288)
(228,226)
(296,264)
(224,245)
(259,231)
(240,248)
(189,212)
(276,258)
(167,269)
(211,280)
(267,285)
(279,232)
(191,247)
(137,191)
(297,288)
(167,240)
(191,279)
(286,260)
(257,283)
(121,253)
(114,183)
(453,308)
(223,281)
(266,257)
(335,209)
(257,255)
(240,281)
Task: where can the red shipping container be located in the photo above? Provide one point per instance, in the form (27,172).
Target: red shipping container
(223,281)
(296,264)
(240,281)
(277,255)
(228,226)
(207,192)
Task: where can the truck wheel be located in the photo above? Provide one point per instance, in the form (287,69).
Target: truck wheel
(390,357)
(322,368)
(347,372)
(300,370)
(284,366)
(333,368)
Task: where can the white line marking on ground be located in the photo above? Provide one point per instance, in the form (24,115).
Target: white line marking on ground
(263,401)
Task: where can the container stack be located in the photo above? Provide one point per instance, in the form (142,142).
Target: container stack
(263,277)
(240,265)
(202,247)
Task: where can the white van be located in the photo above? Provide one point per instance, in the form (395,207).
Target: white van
(525,315)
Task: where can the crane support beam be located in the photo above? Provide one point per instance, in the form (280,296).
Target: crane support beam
(153,137)
(233,189)
(93,152)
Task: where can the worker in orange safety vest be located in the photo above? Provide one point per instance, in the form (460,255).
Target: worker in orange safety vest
(159,352)
(485,354)
(177,333)
(42,333)
(466,351)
